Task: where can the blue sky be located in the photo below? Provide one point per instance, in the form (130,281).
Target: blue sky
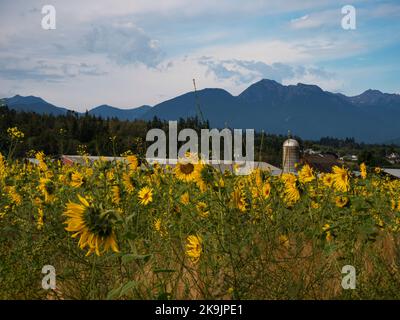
(129,53)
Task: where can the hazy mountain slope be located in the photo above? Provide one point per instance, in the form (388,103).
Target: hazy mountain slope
(106,111)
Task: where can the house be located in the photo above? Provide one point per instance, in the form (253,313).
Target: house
(321,162)
(394,173)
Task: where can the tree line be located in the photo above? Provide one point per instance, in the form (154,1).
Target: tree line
(73,133)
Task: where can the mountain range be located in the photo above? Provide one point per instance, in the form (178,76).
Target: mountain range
(305,110)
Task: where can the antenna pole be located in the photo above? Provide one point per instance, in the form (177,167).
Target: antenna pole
(198,102)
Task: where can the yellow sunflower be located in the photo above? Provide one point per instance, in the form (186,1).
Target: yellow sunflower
(341,179)
(93,225)
(41,158)
(292,194)
(3,170)
(202,209)
(363,170)
(188,169)
(327,179)
(116,194)
(341,202)
(306,174)
(133,162)
(239,199)
(194,248)
(378,170)
(15,197)
(185,198)
(145,196)
(129,182)
(46,186)
(266,190)
(77,179)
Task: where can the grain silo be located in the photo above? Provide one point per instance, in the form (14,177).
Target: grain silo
(291,155)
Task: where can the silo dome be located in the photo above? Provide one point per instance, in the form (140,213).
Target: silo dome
(291,155)
(291,143)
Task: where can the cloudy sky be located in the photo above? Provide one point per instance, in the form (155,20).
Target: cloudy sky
(127,53)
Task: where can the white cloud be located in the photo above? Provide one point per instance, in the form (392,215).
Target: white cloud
(318,19)
(127,66)
(124,43)
(247,72)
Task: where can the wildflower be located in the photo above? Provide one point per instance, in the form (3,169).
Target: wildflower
(40,157)
(341,202)
(46,186)
(194,248)
(93,225)
(239,198)
(266,190)
(284,240)
(306,174)
(315,205)
(116,194)
(2,167)
(201,184)
(202,209)
(341,179)
(110,176)
(220,183)
(77,179)
(129,182)
(15,197)
(327,231)
(15,134)
(133,162)
(363,171)
(145,196)
(288,178)
(255,192)
(39,224)
(378,170)
(257,173)
(158,226)
(379,222)
(185,199)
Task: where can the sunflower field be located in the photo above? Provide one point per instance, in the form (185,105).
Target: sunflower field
(130,230)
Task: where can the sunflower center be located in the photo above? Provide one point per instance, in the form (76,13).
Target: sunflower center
(146,196)
(187,168)
(97,224)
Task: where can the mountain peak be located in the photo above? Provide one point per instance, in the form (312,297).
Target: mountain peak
(268,83)
(373,92)
(261,90)
(311,87)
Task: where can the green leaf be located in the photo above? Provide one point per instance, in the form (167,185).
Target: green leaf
(113,294)
(127,287)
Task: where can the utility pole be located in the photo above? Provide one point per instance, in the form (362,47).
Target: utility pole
(200,114)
